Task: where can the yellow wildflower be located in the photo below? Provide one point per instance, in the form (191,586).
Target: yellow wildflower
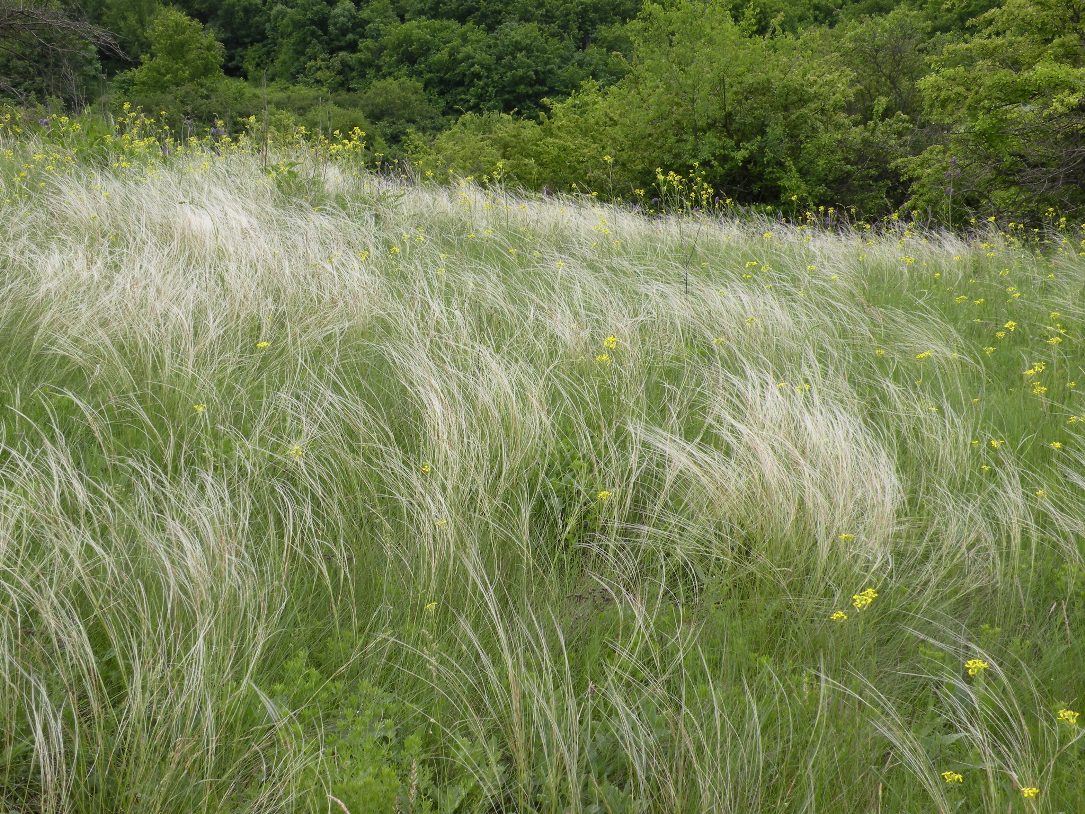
(952,777)
(263,343)
(296,451)
(603,495)
(976,666)
(1030,791)
(924,355)
(611,342)
(1069,716)
(839,616)
(864,599)
(426,468)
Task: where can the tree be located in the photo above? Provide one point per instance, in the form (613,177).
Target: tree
(48,51)
(764,118)
(397,105)
(181,54)
(1012,102)
(129,21)
(527,65)
(888,55)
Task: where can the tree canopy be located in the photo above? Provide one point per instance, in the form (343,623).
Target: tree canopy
(950,107)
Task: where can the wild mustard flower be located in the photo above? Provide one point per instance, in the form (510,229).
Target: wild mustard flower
(296,451)
(611,342)
(839,616)
(924,355)
(952,777)
(602,358)
(431,607)
(1055,445)
(200,409)
(1030,791)
(426,468)
(1068,716)
(262,344)
(603,495)
(864,599)
(845,537)
(1010,325)
(996,443)
(976,666)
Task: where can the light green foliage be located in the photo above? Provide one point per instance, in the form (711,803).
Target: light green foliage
(1012,100)
(764,120)
(181,53)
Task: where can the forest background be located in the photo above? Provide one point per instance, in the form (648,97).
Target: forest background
(951,109)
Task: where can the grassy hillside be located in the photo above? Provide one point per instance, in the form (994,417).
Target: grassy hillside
(337,494)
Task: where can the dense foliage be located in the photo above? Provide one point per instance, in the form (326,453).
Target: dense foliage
(955,108)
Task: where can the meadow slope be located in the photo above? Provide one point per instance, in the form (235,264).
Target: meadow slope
(357,495)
